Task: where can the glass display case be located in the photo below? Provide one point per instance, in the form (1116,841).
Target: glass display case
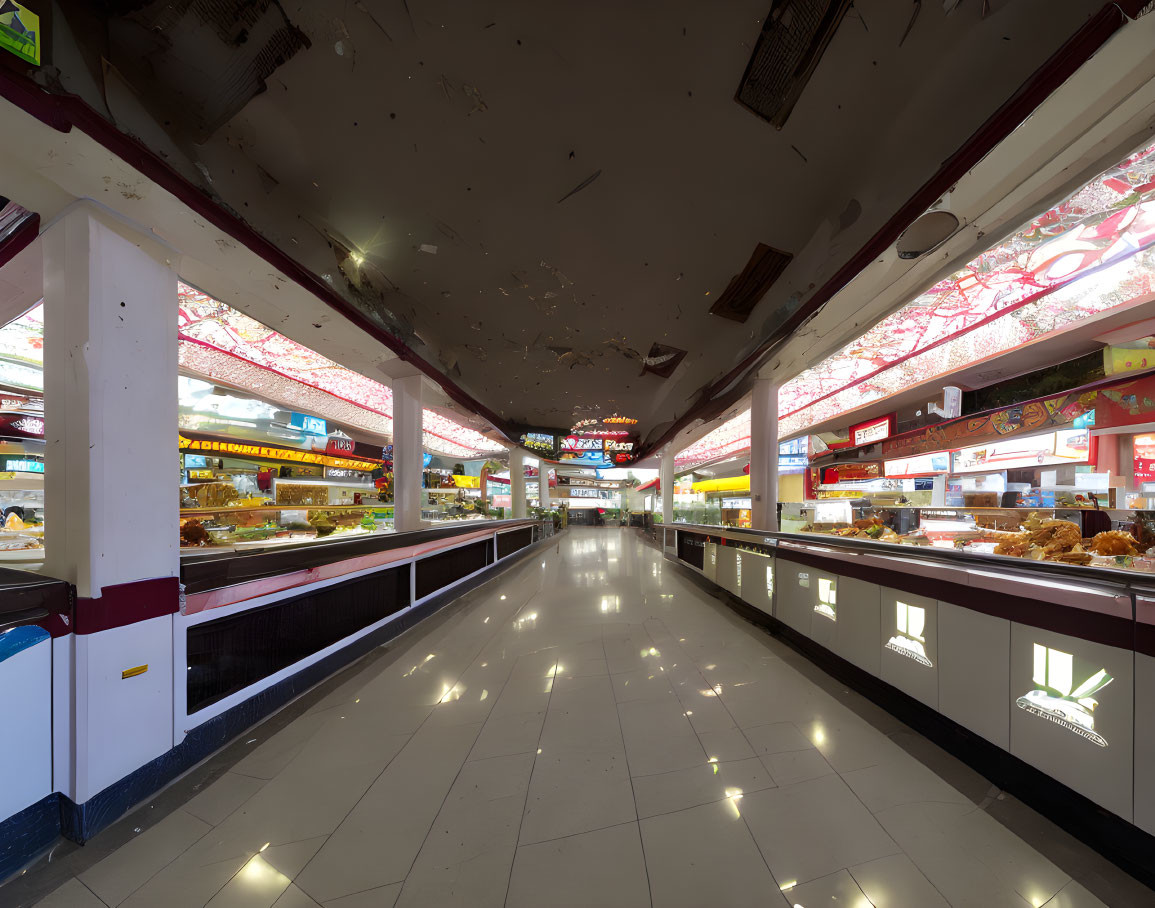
(1080,535)
(22,520)
(261,525)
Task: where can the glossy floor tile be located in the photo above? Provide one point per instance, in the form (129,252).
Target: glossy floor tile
(591,727)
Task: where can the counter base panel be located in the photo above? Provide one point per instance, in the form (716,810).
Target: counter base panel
(1112,836)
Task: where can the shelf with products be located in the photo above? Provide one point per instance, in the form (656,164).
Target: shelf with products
(270,524)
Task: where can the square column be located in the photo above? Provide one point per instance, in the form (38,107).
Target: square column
(408,450)
(112,487)
(764,456)
(517,481)
(666,481)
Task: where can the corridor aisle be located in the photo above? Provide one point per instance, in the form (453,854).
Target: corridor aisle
(591,728)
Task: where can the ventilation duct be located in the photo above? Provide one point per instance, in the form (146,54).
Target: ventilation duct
(748,287)
(788,50)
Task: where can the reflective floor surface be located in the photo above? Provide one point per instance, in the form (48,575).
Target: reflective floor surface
(591,728)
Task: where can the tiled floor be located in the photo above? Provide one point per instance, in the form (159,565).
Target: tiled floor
(591,728)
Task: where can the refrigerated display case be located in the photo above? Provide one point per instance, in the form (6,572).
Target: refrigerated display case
(263,525)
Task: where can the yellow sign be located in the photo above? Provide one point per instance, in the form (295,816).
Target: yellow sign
(466,482)
(20,31)
(240,449)
(729,484)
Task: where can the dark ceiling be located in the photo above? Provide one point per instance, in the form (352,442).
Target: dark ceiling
(532,195)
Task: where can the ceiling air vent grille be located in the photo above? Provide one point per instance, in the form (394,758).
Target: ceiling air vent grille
(662,360)
(788,50)
(748,287)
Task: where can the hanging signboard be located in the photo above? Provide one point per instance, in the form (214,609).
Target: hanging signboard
(851,472)
(873,431)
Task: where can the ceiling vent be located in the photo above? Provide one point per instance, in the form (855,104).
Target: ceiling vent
(662,360)
(747,288)
(788,50)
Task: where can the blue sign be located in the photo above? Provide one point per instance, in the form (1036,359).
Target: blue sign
(195,461)
(1086,421)
(426,459)
(25,466)
(310,425)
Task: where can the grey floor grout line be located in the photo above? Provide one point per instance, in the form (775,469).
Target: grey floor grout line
(626,753)
(532,768)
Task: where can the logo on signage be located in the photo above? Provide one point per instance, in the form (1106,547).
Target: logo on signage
(827,599)
(29,424)
(910,641)
(1057,698)
(869,433)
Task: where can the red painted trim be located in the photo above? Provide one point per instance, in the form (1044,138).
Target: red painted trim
(127,603)
(1061,65)
(65,112)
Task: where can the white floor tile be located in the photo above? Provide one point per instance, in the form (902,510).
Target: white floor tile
(811,829)
(706,856)
(128,868)
(671,791)
(605,868)
(894,882)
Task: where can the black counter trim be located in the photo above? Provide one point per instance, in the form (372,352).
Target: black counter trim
(1110,630)
(211,571)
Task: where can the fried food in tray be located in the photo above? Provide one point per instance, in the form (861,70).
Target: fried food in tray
(1114,542)
(1056,536)
(1016,545)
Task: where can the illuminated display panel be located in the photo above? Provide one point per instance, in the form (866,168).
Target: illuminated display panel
(1040,281)
(732,437)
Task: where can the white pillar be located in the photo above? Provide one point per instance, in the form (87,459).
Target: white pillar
(666,481)
(408,451)
(543,484)
(764,456)
(517,481)
(112,491)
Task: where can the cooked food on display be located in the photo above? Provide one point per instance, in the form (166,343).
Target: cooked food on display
(1114,542)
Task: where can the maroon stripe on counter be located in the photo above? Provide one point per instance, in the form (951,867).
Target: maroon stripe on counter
(127,603)
(1109,630)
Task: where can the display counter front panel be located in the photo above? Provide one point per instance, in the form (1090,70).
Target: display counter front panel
(1052,663)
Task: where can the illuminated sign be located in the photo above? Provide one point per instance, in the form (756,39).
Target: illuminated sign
(20,31)
(827,599)
(876,430)
(1057,699)
(262,452)
(541,442)
(611,445)
(851,472)
(1144,458)
(576,443)
(21,426)
(920,465)
(910,641)
(310,425)
(1070,446)
(24,466)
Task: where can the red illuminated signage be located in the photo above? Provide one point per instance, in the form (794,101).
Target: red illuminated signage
(876,430)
